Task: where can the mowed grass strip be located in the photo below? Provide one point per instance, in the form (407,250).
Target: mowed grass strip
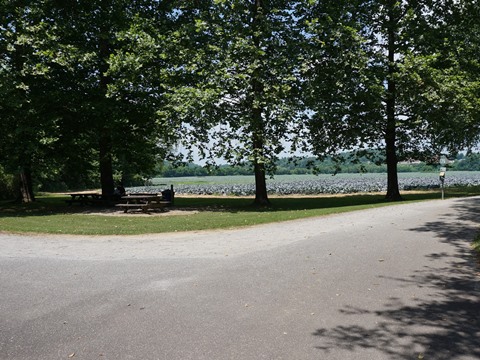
(50,215)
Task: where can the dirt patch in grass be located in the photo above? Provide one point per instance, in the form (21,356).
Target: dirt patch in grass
(116,212)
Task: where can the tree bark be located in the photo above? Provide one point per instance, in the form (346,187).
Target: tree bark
(25,186)
(106,169)
(261,196)
(393,192)
(105,137)
(25,183)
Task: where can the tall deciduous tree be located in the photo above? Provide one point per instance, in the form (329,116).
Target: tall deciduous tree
(28,126)
(375,81)
(245,88)
(64,105)
(107,115)
(86,40)
(461,46)
(149,65)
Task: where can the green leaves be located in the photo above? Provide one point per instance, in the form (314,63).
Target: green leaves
(236,79)
(377,75)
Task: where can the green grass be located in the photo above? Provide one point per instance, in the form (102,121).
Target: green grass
(49,214)
(476,249)
(476,245)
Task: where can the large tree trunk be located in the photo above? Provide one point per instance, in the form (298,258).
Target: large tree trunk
(106,169)
(24,179)
(105,138)
(261,196)
(25,191)
(393,192)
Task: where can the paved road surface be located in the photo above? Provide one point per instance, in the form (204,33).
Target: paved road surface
(389,283)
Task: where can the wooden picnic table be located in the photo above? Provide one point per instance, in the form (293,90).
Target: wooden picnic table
(143,202)
(85,198)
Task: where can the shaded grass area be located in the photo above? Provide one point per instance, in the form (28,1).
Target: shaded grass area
(476,248)
(476,244)
(50,214)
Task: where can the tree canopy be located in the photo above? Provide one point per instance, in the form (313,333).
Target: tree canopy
(65,107)
(96,91)
(378,77)
(244,99)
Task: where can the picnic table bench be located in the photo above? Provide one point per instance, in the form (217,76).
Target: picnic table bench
(85,198)
(143,202)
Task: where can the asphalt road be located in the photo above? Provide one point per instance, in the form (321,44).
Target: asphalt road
(391,283)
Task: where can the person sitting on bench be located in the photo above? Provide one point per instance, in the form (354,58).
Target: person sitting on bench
(119,192)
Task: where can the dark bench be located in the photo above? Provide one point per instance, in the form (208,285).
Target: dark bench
(86,199)
(144,206)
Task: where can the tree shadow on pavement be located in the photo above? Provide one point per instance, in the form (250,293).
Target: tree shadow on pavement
(444,325)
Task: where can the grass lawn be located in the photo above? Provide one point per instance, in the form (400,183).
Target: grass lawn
(476,246)
(50,214)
